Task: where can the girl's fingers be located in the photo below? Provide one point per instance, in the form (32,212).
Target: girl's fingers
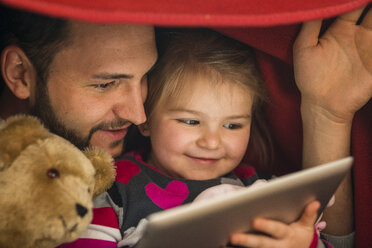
(309,216)
(279,230)
(273,228)
(252,241)
(276,230)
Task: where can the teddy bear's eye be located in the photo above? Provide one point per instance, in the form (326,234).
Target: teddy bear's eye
(53,173)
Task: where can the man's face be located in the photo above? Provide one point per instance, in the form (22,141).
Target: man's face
(97,84)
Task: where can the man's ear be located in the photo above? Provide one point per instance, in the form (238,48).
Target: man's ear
(144,129)
(17,71)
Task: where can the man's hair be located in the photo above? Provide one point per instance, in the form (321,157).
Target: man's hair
(185,53)
(40,37)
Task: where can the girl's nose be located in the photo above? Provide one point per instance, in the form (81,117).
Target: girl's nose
(209,140)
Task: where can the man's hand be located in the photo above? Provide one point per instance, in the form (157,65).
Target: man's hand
(334,71)
(334,74)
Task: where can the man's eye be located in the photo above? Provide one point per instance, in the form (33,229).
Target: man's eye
(232,126)
(189,122)
(104,86)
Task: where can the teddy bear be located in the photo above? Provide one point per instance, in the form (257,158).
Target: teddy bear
(47,185)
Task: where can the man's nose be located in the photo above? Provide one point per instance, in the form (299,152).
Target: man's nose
(130,106)
(209,139)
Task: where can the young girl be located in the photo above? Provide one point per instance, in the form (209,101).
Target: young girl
(203,109)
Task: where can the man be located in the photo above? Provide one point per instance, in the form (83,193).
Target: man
(87,82)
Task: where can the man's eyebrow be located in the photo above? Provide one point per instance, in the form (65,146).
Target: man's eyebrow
(112,76)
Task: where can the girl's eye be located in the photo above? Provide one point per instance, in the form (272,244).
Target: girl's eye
(104,86)
(189,122)
(232,126)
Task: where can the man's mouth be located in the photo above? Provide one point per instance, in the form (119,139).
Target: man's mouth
(115,134)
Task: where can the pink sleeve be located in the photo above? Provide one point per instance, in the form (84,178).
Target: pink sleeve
(317,242)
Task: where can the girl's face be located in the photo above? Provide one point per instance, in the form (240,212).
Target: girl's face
(204,133)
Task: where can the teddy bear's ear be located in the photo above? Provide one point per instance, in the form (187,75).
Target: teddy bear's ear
(105,169)
(16,133)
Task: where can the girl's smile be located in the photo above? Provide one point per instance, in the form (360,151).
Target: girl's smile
(202,133)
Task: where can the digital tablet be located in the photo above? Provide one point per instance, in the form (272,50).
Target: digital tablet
(209,223)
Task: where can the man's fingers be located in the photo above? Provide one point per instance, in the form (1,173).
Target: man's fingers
(367,19)
(352,16)
(309,34)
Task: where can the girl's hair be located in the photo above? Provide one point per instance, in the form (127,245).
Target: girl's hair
(189,52)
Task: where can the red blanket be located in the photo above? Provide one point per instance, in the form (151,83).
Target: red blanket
(273,48)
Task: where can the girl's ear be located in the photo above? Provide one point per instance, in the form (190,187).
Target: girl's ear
(18,72)
(144,129)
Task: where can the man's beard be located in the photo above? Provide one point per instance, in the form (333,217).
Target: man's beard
(44,111)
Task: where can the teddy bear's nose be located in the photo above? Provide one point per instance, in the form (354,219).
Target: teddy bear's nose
(81,210)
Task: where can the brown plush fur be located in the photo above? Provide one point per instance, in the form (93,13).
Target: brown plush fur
(37,209)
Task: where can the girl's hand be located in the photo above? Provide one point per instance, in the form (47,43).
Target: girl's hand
(298,234)
(334,71)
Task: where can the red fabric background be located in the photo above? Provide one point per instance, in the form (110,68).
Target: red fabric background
(273,48)
(191,12)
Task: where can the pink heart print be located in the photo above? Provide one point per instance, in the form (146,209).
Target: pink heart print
(173,195)
(125,170)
